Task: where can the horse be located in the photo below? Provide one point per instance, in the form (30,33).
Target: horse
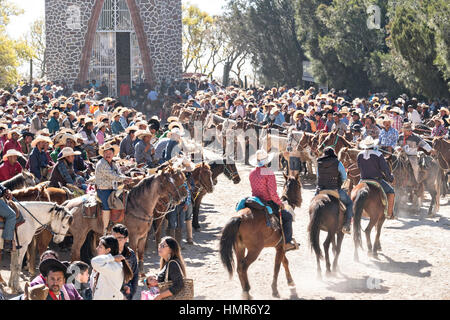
(248,230)
(44,237)
(36,215)
(203,179)
(325,215)
(22,180)
(367,201)
(225,166)
(299,142)
(336,141)
(442,148)
(349,158)
(139,209)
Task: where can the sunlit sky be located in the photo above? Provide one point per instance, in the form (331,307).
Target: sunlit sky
(35,9)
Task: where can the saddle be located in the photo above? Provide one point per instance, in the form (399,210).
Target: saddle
(117,203)
(19,218)
(376,184)
(91,207)
(342,207)
(256,204)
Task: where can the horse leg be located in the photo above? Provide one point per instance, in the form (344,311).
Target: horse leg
(340,237)
(432,207)
(252,255)
(78,241)
(367,232)
(326,246)
(158,223)
(16,268)
(278,259)
(31,256)
(333,245)
(319,270)
(289,279)
(141,252)
(377,245)
(195,212)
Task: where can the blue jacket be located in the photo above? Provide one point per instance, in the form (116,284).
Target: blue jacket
(37,161)
(53,125)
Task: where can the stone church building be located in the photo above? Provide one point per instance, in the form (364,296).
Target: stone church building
(113,41)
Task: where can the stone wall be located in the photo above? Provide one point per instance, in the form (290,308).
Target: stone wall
(67,26)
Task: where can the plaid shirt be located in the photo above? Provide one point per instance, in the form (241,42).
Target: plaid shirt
(264,185)
(439,131)
(397,123)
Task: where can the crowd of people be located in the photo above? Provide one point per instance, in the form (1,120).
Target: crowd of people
(56,134)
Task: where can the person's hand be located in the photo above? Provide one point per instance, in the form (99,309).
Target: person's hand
(127,289)
(119,258)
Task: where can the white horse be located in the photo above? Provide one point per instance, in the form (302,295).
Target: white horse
(49,214)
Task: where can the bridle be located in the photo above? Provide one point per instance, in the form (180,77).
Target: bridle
(230,174)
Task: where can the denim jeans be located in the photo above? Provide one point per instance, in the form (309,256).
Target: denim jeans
(348,203)
(177,218)
(10,220)
(286,218)
(294,163)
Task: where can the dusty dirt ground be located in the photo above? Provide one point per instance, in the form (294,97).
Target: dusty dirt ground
(414,262)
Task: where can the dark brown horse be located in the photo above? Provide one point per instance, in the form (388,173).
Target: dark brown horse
(225,166)
(248,231)
(367,201)
(324,213)
(22,180)
(336,141)
(348,157)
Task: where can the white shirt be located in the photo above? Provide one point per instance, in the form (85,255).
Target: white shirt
(110,280)
(414,117)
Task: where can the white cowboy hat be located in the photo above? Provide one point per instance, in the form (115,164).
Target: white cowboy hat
(176,124)
(156,118)
(397,110)
(53,112)
(63,140)
(172,119)
(368,143)
(175,133)
(262,157)
(185,164)
(108,146)
(436,118)
(10,153)
(67,152)
(13,131)
(132,128)
(41,139)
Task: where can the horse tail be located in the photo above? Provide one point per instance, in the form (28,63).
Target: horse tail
(314,227)
(229,235)
(360,200)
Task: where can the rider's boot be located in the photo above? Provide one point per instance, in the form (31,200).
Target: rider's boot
(391,202)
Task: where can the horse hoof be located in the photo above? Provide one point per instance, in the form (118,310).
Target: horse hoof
(291,284)
(246,296)
(275,294)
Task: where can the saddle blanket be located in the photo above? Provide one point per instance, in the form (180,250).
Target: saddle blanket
(242,204)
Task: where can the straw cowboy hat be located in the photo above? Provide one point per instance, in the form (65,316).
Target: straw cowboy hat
(176,124)
(436,118)
(13,131)
(445,110)
(11,153)
(109,146)
(53,112)
(298,113)
(63,139)
(131,128)
(67,152)
(142,133)
(41,139)
(155,118)
(101,125)
(172,119)
(44,132)
(261,157)
(368,143)
(344,110)
(407,126)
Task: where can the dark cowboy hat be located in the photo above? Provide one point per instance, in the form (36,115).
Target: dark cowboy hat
(356,128)
(27,134)
(53,265)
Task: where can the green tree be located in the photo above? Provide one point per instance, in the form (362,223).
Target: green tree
(12,52)
(36,40)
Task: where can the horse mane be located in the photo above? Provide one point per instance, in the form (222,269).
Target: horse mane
(14,182)
(203,164)
(59,211)
(141,189)
(26,191)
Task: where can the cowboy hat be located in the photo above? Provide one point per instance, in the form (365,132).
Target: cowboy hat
(368,143)
(63,139)
(131,128)
(261,158)
(445,110)
(156,118)
(397,110)
(176,133)
(41,138)
(52,265)
(53,112)
(108,146)
(407,126)
(67,152)
(172,119)
(297,114)
(101,125)
(276,109)
(344,110)
(437,118)
(176,124)
(143,133)
(185,164)
(44,132)
(13,131)
(11,153)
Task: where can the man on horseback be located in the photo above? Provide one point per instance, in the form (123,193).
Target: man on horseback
(264,186)
(410,142)
(330,176)
(373,166)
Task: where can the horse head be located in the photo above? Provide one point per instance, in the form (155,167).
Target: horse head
(292,191)
(231,171)
(30,180)
(203,175)
(61,222)
(172,184)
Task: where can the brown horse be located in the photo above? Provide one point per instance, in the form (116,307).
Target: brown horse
(367,201)
(225,166)
(348,157)
(442,147)
(325,215)
(140,206)
(22,180)
(248,230)
(336,141)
